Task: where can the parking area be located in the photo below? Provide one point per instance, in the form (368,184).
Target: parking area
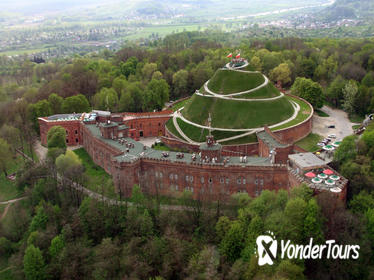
(337,119)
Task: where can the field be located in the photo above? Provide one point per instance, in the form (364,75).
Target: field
(97,179)
(226,82)
(309,143)
(237,114)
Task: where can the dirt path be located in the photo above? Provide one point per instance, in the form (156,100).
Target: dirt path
(8,204)
(338,118)
(5,212)
(40,150)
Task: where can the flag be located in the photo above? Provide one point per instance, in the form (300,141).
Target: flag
(229,55)
(238,55)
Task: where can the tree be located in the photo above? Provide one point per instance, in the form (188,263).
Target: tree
(313,222)
(335,91)
(57,245)
(157,94)
(180,83)
(347,149)
(281,73)
(294,214)
(148,70)
(75,104)
(56,137)
(55,102)
(40,220)
(256,63)
(309,90)
(232,244)
(349,92)
(69,163)
(12,136)
(307,67)
(290,271)
(40,109)
(33,264)
(157,75)
(5,156)
(129,67)
(126,102)
(106,99)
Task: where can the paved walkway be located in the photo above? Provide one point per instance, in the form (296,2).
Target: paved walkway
(177,114)
(265,83)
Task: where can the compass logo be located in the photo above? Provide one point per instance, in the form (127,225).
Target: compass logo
(266,249)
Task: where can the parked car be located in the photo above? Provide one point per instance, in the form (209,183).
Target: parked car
(331,136)
(331,126)
(321,144)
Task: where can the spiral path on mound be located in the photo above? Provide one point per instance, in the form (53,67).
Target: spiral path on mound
(210,94)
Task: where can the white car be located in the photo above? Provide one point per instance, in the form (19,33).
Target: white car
(321,144)
(332,136)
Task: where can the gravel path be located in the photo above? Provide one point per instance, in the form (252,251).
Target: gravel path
(339,118)
(239,93)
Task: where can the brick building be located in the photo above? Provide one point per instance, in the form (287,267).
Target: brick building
(210,170)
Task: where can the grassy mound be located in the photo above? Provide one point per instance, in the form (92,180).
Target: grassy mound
(199,134)
(237,114)
(267,91)
(226,82)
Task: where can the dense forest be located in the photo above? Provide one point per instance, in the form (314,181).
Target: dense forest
(57,233)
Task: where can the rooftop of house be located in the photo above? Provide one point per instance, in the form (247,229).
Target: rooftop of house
(133,150)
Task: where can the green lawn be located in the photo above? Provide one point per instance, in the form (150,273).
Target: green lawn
(225,81)
(172,129)
(237,114)
(8,189)
(96,176)
(303,114)
(309,143)
(266,92)
(356,119)
(199,135)
(321,113)
(179,105)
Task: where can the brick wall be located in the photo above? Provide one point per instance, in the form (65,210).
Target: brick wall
(73,133)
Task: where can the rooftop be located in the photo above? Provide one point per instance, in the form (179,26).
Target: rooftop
(64,117)
(137,150)
(269,140)
(306,160)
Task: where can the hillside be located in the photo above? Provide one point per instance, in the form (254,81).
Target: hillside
(237,114)
(226,82)
(349,9)
(239,103)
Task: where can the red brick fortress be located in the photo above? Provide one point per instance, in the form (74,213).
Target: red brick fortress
(209,170)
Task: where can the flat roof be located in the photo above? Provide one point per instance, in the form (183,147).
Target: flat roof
(269,140)
(306,160)
(138,151)
(64,117)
